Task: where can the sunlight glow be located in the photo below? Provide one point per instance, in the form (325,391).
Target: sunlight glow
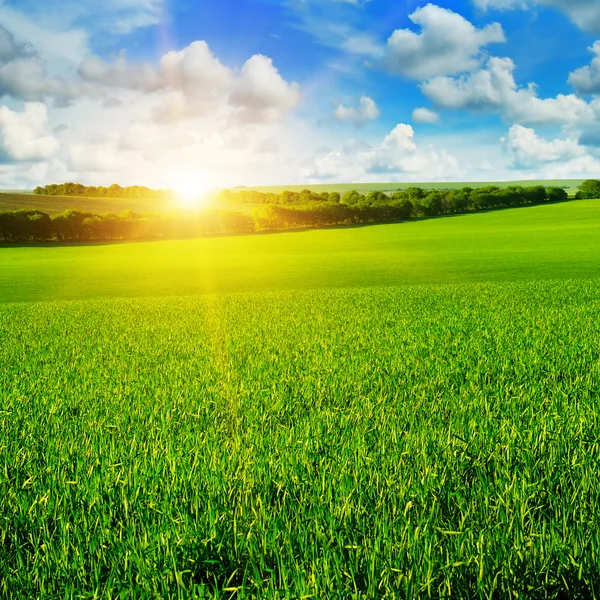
(192,190)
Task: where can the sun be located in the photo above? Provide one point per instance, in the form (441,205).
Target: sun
(191,190)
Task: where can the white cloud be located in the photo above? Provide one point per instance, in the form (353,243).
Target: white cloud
(120,74)
(103,158)
(23,135)
(424,115)
(494,88)
(400,139)
(98,16)
(396,156)
(586,80)
(548,159)
(61,45)
(584,13)
(335,23)
(10,49)
(194,70)
(365,111)
(260,93)
(27,78)
(447,45)
(187,83)
(528,149)
(141,122)
(129,14)
(363,44)
(24,74)
(195,82)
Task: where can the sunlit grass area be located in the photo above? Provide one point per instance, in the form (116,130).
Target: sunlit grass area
(57,204)
(404,410)
(544,242)
(377,442)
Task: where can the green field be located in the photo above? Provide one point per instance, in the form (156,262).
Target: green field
(395,411)
(19,199)
(57,204)
(543,242)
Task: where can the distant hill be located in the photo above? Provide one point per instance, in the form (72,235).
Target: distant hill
(57,204)
(25,199)
(571,185)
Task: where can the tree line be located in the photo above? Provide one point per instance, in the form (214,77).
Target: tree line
(112,191)
(353,208)
(75,225)
(423,203)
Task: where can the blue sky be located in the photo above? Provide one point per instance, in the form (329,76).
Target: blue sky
(244,92)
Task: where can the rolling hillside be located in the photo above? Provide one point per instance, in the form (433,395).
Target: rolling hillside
(560,241)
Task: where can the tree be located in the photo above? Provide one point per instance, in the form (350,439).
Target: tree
(334,197)
(376,197)
(430,205)
(352,197)
(25,225)
(235,222)
(535,194)
(458,200)
(115,191)
(401,208)
(414,193)
(68,225)
(589,189)
(288,197)
(306,196)
(483,198)
(556,194)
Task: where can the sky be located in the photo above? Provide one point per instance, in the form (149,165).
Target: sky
(206,94)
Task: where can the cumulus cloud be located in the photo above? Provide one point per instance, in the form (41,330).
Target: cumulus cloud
(529,149)
(447,45)
(24,74)
(23,135)
(586,80)
(119,74)
(260,93)
(495,88)
(548,159)
(60,44)
(584,13)
(396,156)
(192,70)
(426,116)
(194,81)
(10,49)
(187,83)
(27,78)
(363,113)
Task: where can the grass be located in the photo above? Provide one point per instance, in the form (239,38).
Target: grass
(57,204)
(544,242)
(289,415)
(393,442)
